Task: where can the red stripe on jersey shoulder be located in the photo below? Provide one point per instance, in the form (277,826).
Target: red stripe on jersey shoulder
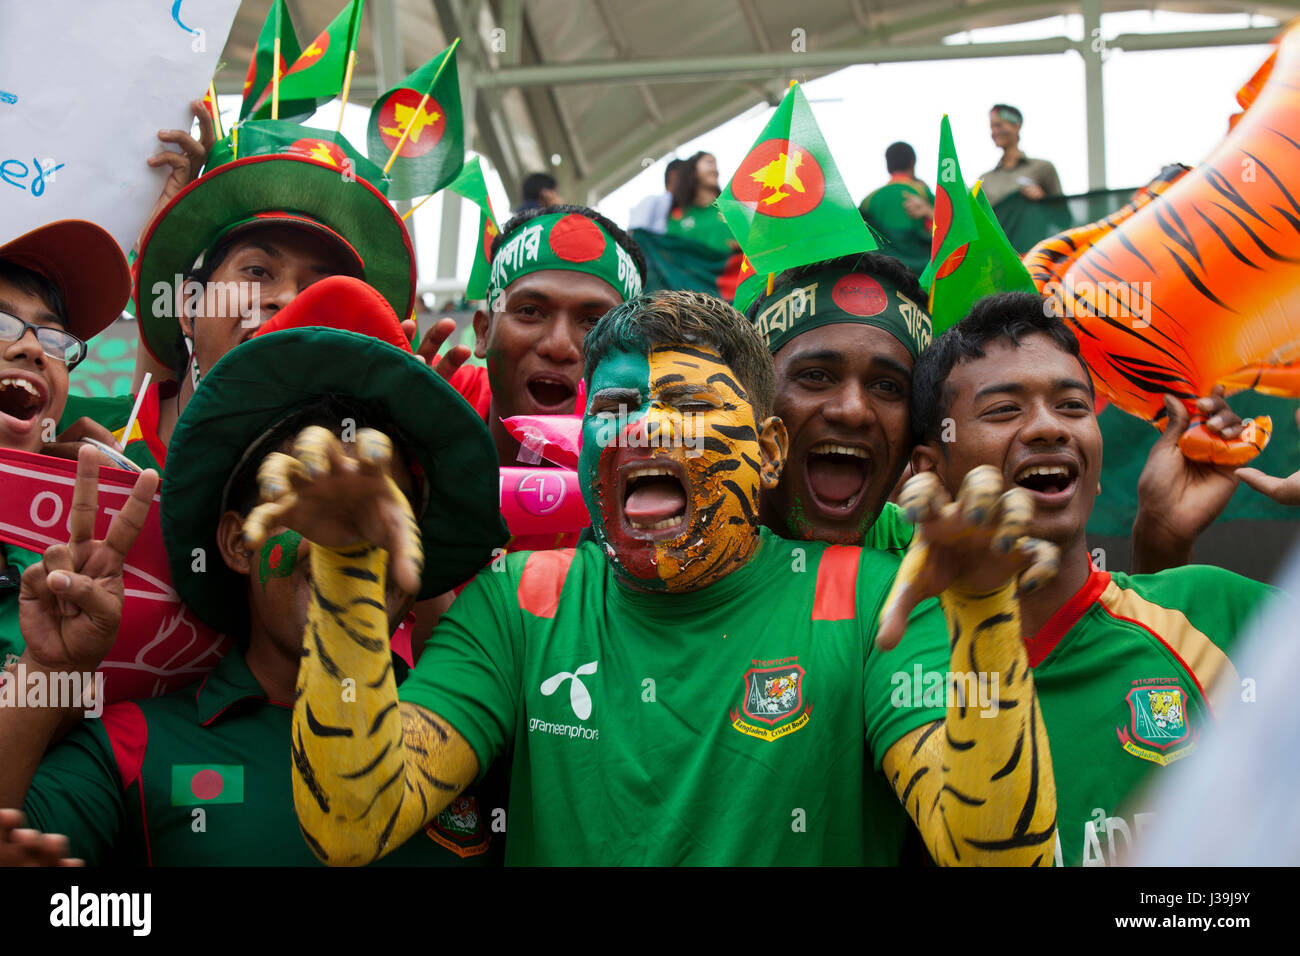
(542,581)
(1059,624)
(128,734)
(836,596)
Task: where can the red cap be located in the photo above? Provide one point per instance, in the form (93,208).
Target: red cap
(85,263)
(343,303)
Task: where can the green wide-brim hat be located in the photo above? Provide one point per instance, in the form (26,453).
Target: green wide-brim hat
(322,184)
(268,378)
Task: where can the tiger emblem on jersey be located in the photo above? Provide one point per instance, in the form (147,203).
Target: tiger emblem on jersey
(1166,709)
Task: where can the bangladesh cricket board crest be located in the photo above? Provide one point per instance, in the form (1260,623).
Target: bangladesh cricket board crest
(773,700)
(1158,728)
(460,828)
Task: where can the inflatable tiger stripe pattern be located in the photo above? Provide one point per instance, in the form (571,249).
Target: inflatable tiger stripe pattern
(1196,283)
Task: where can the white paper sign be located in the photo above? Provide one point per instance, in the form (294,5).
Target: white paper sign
(84,89)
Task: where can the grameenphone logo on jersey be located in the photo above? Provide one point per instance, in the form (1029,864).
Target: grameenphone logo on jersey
(580,704)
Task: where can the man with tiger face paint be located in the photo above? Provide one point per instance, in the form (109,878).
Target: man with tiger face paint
(723,685)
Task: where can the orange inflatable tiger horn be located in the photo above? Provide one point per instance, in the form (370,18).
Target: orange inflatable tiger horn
(1196,282)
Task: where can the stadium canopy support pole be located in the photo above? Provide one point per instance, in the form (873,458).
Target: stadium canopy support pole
(1093,50)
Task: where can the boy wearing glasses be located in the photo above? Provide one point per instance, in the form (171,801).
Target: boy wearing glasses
(59,285)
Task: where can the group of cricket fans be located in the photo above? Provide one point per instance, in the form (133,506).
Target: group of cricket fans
(835,603)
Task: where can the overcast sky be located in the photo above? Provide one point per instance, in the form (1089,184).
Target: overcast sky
(1161,107)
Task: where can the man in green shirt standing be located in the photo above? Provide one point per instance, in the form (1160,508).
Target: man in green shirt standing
(1130,667)
(201,776)
(727,688)
(901,212)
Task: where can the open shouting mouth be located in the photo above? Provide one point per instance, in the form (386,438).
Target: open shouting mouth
(653,494)
(1052,481)
(837,476)
(551,393)
(22,398)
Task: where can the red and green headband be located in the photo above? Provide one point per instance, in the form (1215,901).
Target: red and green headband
(830,296)
(568,241)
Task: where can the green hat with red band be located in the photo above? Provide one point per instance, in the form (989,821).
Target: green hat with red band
(839,293)
(347,343)
(274,172)
(567,240)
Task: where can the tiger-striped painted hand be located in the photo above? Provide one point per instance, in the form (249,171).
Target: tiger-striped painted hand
(339,500)
(972,545)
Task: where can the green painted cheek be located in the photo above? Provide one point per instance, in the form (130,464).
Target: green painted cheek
(624,370)
(279,556)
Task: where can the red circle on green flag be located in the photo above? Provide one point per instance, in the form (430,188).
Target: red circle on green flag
(320,150)
(207,784)
(781,178)
(942,223)
(427,125)
(859,294)
(274,558)
(489,233)
(309,56)
(576,238)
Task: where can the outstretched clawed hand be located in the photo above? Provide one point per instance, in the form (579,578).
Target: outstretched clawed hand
(339,501)
(974,545)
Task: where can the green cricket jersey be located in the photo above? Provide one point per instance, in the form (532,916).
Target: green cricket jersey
(891,531)
(704,224)
(201,777)
(906,239)
(142,446)
(741,724)
(1129,673)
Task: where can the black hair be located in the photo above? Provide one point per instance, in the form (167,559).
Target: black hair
(997,107)
(618,235)
(872,263)
(1005,316)
(900,158)
(673,166)
(33,283)
(663,318)
(328,411)
(534,183)
(688,180)
(201,275)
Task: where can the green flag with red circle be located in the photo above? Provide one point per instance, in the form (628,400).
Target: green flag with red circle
(434,150)
(970,256)
(472,186)
(787,204)
(318,71)
(197,784)
(257,83)
(749,285)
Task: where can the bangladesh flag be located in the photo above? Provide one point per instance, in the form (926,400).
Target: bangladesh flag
(471,185)
(316,76)
(434,151)
(749,285)
(787,205)
(197,784)
(971,256)
(257,84)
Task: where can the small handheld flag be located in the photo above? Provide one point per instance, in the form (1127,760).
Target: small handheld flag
(787,204)
(418,125)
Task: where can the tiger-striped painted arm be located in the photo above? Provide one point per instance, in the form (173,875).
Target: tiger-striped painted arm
(368,771)
(979,783)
